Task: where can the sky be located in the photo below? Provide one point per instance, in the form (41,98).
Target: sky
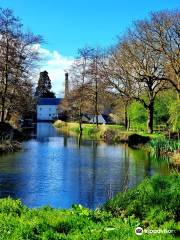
(67,25)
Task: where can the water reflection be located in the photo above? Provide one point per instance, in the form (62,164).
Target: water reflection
(54,170)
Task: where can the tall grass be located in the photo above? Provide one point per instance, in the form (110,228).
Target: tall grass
(162,146)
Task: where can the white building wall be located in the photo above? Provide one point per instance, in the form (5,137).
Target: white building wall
(100,119)
(46,112)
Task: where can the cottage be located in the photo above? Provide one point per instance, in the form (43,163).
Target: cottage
(102,119)
(47,109)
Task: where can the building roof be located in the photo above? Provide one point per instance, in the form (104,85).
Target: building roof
(49,101)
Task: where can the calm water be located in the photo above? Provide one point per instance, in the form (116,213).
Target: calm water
(53,170)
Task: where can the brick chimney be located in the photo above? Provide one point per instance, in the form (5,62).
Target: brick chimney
(66,85)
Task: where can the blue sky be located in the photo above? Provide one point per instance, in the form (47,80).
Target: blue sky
(67,25)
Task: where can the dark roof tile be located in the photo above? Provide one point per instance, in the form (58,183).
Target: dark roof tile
(49,101)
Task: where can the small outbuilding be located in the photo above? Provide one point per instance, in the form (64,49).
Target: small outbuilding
(102,119)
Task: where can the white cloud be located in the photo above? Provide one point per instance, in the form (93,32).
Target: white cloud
(56,65)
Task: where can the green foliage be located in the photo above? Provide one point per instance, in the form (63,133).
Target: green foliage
(174,111)
(161,107)
(166,112)
(10,207)
(162,146)
(153,204)
(138,116)
(44,86)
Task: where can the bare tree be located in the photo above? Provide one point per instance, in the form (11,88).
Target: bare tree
(161,33)
(77,100)
(116,81)
(18,55)
(136,72)
(98,92)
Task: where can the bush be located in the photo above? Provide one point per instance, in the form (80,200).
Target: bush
(160,194)
(18,222)
(11,207)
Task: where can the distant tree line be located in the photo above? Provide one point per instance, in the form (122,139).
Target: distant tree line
(136,77)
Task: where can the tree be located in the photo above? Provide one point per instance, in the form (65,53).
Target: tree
(137,115)
(87,95)
(145,61)
(44,86)
(137,72)
(76,102)
(116,81)
(17,59)
(146,71)
(161,34)
(96,86)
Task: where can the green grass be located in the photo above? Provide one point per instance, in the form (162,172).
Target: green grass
(164,145)
(154,204)
(116,133)
(165,148)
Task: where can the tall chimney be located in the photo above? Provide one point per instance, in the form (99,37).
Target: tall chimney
(66,85)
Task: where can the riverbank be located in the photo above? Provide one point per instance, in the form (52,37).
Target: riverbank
(166,148)
(175,156)
(153,205)
(9,146)
(10,138)
(108,133)
(157,143)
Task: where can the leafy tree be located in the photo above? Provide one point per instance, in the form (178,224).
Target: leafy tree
(137,115)
(44,86)
(174,111)
(161,107)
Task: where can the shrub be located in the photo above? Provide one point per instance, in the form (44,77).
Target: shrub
(159,192)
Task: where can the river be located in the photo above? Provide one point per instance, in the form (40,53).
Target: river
(52,169)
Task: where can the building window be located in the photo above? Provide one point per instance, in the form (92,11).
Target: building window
(40,109)
(49,109)
(49,115)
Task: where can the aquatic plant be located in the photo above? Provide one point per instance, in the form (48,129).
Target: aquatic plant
(161,146)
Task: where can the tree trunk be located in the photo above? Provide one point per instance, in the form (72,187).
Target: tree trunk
(97,123)
(126,117)
(5,82)
(129,123)
(2,109)
(79,139)
(96,104)
(150,111)
(80,122)
(80,126)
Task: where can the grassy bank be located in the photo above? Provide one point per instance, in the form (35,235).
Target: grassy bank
(159,144)
(10,138)
(113,133)
(9,146)
(167,148)
(154,205)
